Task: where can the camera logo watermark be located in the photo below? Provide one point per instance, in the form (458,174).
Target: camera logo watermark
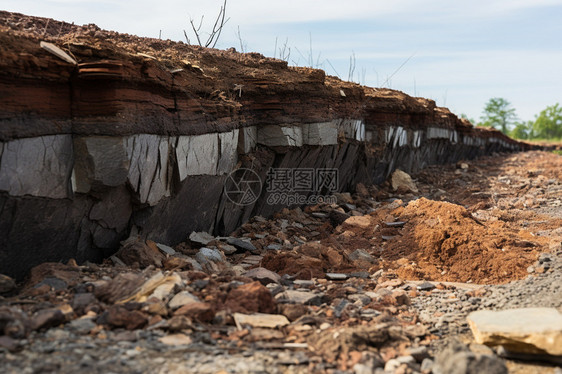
(284,186)
(243,186)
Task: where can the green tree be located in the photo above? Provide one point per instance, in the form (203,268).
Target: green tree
(499,114)
(548,124)
(522,130)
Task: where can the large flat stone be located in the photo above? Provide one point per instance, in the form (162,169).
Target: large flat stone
(248,139)
(438,133)
(269,321)
(526,330)
(228,151)
(38,166)
(149,174)
(324,133)
(197,155)
(299,297)
(99,161)
(352,128)
(280,136)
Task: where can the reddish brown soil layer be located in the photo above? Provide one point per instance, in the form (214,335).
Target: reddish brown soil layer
(164,87)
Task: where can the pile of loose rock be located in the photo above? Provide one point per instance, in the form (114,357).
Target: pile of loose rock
(295,293)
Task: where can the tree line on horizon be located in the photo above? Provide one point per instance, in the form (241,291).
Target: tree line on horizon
(499,114)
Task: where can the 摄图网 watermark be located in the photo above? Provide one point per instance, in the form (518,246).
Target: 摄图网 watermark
(283,186)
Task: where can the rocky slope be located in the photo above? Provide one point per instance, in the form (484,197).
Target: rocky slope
(321,290)
(103,134)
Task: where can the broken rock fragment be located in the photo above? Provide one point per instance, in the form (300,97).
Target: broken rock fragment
(7,284)
(299,297)
(201,238)
(270,321)
(119,287)
(458,359)
(47,318)
(293,311)
(179,323)
(82,325)
(245,245)
(250,298)
(13,322)
(54,273)
(337,217)
(210,259)
(137,251)
(119,316)
(159,286)
(402,181)
(331,343)
(524,330)
(8,343)
(165,249)
(182,298)
(263,275)
(359,221)
(202,312)
(175,339)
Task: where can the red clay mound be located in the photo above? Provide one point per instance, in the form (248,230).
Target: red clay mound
(438,241)
(444,242)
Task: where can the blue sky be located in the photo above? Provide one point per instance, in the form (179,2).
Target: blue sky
(458,53)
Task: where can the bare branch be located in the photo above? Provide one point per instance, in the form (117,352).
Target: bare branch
(300,53)
(397,70)
(285,51)
(318,64)
(333,68)
(217,27)
(352,62)
(200,23)
(242,48)
(214,35)
(196,31)
(310,56)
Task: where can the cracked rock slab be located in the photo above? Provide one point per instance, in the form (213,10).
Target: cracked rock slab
(198,155)
(525,330)
(280,136)
(38,166)
(100,160)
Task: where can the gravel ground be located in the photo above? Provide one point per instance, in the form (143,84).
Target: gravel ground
(334,331)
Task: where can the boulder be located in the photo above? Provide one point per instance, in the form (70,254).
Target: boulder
(403,181)
(250,298)
(525,330)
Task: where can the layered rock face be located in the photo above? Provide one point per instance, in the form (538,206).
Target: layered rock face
(141,135)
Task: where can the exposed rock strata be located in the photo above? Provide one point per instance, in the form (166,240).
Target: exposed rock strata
(146,140)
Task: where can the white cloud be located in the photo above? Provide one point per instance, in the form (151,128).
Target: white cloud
(512,5)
